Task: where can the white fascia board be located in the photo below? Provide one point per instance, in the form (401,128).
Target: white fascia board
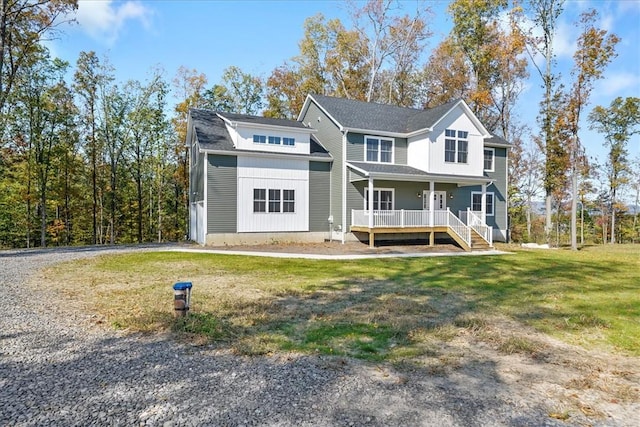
(483,131)
(240,153)
(357,169)
(377,132)
(306,106)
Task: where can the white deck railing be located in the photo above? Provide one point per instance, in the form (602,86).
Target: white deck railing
(412,218)
(474,220)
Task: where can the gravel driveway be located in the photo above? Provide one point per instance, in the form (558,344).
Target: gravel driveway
(55,370)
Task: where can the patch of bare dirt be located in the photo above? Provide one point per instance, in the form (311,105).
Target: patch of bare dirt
(348,248)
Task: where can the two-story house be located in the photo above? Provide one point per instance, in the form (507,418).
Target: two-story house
(348,170)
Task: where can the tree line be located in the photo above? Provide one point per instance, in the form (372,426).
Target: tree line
(91,160)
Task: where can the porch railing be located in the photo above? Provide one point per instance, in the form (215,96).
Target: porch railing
(474,220)
(412,218)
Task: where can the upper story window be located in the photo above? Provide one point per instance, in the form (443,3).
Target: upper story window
(489,155)
(274,140)
(379,150)
(456,146)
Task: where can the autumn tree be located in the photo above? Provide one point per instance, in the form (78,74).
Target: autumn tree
(594,51)
(393,44)
(23,25)
(545,14)
(243,90)
(88,76)
(445,76)
(617,123)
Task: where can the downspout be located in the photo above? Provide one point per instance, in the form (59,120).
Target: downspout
(206,202)
(344,184)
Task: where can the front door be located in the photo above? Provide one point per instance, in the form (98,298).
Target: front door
(439,200)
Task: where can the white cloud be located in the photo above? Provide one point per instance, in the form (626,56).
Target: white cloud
(104,20)
(619,84)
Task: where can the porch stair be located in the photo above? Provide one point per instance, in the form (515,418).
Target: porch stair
(478,242)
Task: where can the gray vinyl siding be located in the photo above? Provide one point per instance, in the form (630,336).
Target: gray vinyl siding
(331,138)
(355,148)
(319,196)
(222,197)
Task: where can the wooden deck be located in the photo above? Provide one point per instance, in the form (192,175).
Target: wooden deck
(477,243)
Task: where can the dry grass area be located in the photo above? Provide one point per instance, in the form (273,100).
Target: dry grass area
(549,323)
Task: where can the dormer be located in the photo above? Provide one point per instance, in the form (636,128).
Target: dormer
(263,134)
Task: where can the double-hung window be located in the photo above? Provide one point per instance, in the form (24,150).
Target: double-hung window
(274,200)
(379,150)
(489,155)
(456,146)
(382,199)
(259,200)
(476,203)
(288,200)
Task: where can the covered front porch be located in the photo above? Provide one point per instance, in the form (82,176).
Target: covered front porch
(383,212)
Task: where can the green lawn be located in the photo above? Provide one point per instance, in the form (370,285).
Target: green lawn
(381,309)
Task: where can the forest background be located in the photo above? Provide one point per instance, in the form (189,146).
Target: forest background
(94,97)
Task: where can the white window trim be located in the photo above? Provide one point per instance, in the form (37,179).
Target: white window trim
(493,205)
(380,138)
(269,212)
(269,144)
(378,189)
(493,159)
(457,140)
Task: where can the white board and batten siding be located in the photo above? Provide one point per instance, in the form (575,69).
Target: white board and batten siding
(280,174)
(243,139)
(458,121)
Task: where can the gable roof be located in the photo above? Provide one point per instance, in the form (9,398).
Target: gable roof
(371,116)
(212,134)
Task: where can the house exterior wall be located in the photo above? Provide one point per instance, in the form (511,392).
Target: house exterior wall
(457,120)
(331,138)
(276,174)
(222,178)
(418,151)
(244,139)
(319,195)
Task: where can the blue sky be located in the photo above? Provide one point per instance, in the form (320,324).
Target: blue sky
(257,36)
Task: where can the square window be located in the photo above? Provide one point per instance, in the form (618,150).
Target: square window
(259,139)
(462,134)
(288,141)
(274,140)
(274,200)
(259,200)
(450,133)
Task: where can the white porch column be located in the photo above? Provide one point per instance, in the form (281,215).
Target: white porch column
(483,201)
(370,196)
(432,189)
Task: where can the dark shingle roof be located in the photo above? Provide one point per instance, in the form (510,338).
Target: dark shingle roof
(212,133)
(380,117)
(377,168)
(497,140)
(210,130)
(245,118)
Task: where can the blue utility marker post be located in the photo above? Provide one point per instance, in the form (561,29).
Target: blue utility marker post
(182,298)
